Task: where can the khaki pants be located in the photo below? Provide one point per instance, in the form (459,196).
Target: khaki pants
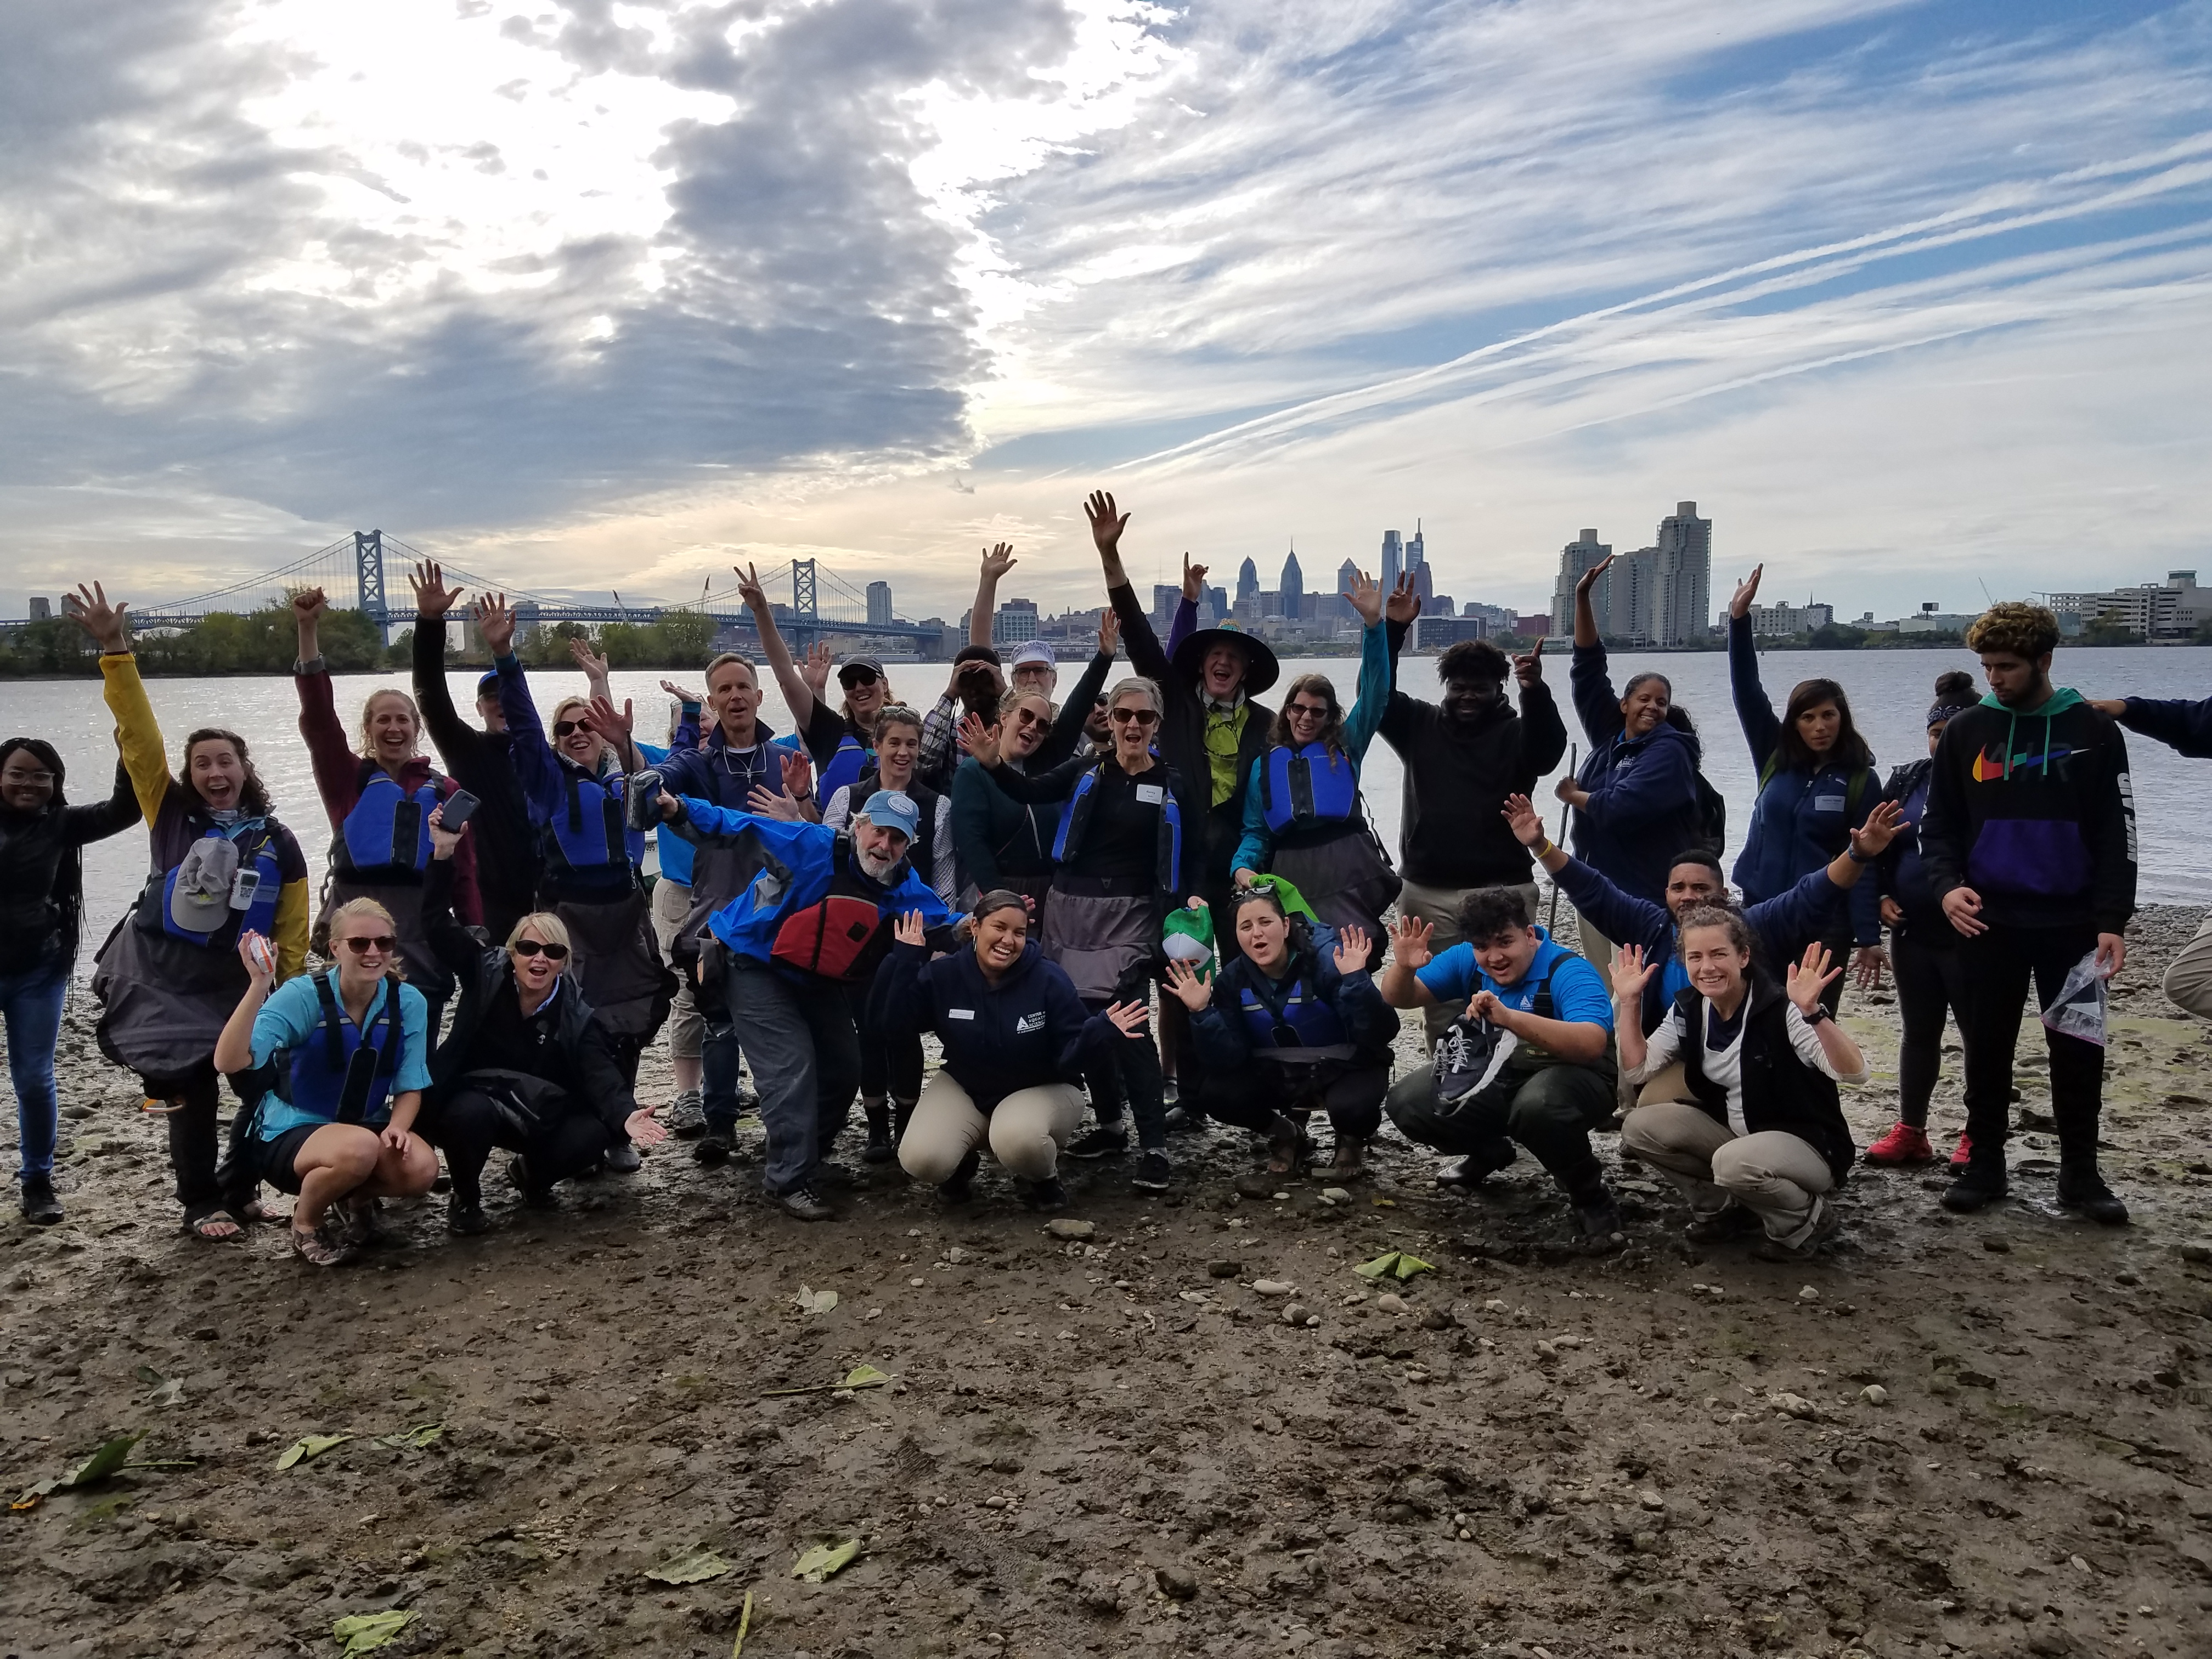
(1025,1132)
(1774,1175)
(1597,947)
(671,902)
(2189,975)
(1439,908)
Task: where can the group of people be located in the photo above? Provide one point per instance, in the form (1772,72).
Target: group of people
(490,949)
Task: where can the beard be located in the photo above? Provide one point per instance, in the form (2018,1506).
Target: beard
(877,868)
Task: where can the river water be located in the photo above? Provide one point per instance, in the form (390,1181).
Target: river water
(1890,692)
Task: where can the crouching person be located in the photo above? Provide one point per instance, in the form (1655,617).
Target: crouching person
(1016,1037)
(344,1052)
(1761,1141)
(527,1066)
(1291,1024)
(1530,1061)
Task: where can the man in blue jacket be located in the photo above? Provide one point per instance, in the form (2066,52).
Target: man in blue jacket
(812,915)
(2187,728)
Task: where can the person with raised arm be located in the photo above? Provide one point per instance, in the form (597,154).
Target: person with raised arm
(379,801)
(1116,856)
(1291,1024)
(2029,842)
(169,975)
(1463,755)
(334,1124)
(813,918)
(578,790)
(2187,728)
(527,1066)
(836,740)
(1304,818)
(1817,782)
(976,683)
(1015,1036)
(1761,1143)
(1637,799)
(1530,1062)
(42,839)
(480,760)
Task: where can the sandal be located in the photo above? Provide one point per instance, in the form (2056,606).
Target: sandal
(214,1224)
(1287,1147)
(320,1249)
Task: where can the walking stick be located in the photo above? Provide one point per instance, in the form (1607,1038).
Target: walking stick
(1552,922)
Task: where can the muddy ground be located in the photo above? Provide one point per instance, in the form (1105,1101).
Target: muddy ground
(1118,1445)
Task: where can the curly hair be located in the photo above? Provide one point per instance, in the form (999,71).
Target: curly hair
(2012,629)
(1729,921)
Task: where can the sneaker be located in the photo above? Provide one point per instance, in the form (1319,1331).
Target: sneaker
(960,1186)
(1718,1228)
(1903,1145)
(715,1148)
(1100,1142)
(2087,1194)
(465,1217)
(40,1207)
(687,1116)
(1979,1185)
(1825,1219)
(1478,1167)
(1963,1153)
(621,1160)
(802,1202)
(1046,1194)
(1152,1171)
(1600,1223)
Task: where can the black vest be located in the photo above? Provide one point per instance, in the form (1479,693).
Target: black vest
(1780,1092)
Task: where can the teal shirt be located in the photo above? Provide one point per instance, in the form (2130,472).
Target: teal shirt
(294,1013)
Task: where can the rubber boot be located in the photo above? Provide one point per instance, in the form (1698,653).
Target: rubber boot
(880,1149)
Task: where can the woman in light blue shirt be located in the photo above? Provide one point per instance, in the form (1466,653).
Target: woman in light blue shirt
(343,1058)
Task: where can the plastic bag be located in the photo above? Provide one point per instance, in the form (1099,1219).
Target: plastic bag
(2078,1010)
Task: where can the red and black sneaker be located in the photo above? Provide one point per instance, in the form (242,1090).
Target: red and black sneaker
(1903,1145)
(1963,1153)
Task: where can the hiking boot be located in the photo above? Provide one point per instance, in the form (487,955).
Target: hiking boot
(802,1202)
(1903,1145)
(1348,1162)
(1822,1226)
(1046,1194)
(1600,1223)
(1718,1228)
(1963,1153)
(465,1217)
(621,1160)
(1980,1184)
(687,1116)
(1478,1167)
(714,1148)
(960,1186)
(40,1207)
(2084,1192)
(879,1148)
(1100,1142)
(1152,1171)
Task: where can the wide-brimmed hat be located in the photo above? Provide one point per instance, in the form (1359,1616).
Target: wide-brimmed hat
(1260,668)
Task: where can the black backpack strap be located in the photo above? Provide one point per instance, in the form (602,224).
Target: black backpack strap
(611,811)
(333,1043)
(575,805)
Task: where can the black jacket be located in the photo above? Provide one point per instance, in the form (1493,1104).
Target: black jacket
(1027,1030)
(1780,1092)
(507,858)
(42,876)
(1901,871)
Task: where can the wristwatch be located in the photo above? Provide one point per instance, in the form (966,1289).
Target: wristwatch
(1819,1012)
(307,664)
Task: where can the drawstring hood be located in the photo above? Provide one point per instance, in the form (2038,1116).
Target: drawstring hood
(2061,698)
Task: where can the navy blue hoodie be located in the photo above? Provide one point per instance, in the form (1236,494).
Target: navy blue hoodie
(1643,808)
(1027,1030)
(2187,726)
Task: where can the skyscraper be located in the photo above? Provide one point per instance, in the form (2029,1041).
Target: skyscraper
(1576,557)
(1248,581)
(1394,560)
(1293,587)
(1336,604)
(1417,565)
(1681,580)
(879,604)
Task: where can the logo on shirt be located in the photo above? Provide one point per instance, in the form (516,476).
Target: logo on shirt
(1028,1023)
(1990,764)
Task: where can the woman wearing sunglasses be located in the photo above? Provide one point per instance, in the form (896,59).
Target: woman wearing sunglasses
(1116,857)
(527,1066)
(335,1125)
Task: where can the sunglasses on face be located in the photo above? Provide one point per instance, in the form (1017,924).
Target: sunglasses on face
(530,947)
(1307,711)
(382,943)
(564,728)
(1024,717)
(1137,716)
(858,679)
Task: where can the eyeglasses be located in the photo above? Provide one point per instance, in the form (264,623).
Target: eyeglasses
(563,728)
(1307,711)
(1024,717)
(852,678)
(26,777)
(382,943)
(530,947)
(1138,716)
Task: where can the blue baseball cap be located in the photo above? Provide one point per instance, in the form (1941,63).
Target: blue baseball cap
(894,809)
(488,683)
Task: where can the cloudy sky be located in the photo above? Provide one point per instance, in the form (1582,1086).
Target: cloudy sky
(1910,297)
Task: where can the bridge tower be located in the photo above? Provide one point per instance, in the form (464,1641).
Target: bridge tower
(806,611)
(368,579)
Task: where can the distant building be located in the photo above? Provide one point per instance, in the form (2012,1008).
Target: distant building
(42,610)
(1248,583)
(1394,560)
(1442,604)
(1336,607)
(1015,621)
(1216,599)
(1499,619)
(1781,620)
(1417,565)
(1293,589)
(879,604)
(2168,613)
(1681,583)
(1928,620)
(1166,596)
(1577,557)
(1434,633)
(1529,624)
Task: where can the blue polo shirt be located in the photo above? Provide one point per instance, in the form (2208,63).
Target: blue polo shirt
(1578,993)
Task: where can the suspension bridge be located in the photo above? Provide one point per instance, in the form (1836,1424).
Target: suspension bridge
(821,604)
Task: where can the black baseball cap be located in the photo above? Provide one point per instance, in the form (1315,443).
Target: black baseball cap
(855,665)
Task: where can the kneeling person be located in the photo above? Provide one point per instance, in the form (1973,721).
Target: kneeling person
(1762,1137)
(1554,1086)
(333,1125)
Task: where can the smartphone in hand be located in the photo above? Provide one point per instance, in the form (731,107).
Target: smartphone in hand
(459,807)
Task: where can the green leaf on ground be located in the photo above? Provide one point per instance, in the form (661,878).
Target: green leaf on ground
(860,1377)
(824,1561)
(309,1446)
(148,1375)
(693,1566)
(365,1633)
(815,1302)
(745,1624)
(1407,1266)
(1381,1264)
(414,1439)
(108,1460)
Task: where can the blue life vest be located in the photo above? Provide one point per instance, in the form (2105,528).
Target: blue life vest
(1297,1021)
(590,833)
(845,767)
(388,830)
(257,852)
(1075,820)
(1312,788)
(341,1073)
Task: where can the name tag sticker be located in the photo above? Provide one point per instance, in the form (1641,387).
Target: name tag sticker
(961,1013)
(1829,803)
(1151,793)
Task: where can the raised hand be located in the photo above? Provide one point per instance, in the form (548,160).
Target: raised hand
(259,957)
(682,693)
(496,624)
(433,598)
(1587,580)
(765,803)
(1521,819)
(1529,668)
(798,777)
(908,930)
(1871,839)
(1409,943)
(749,589)
(1351,947)
(1107,523)
(1190,988)
(815,670)
(1745,592)
(1366,596)
(1631,974)
(593,663)
(998,560)
(1404,603)
(982,740)
(1808,978)
(1109,632)
(442,839)
(308,604)
(1193,580)
(108,625)
(1129,1018)
(602,717)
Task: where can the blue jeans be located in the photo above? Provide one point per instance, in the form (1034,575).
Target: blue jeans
(31,1005)
(721,1058)
(807,1066)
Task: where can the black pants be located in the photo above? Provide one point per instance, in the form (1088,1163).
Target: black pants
(1551,1115)
(888,1066)
(1349,1091)
(1136,1070)
(1997,967)
(1931,987)
(469,1125)
(207,1174)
